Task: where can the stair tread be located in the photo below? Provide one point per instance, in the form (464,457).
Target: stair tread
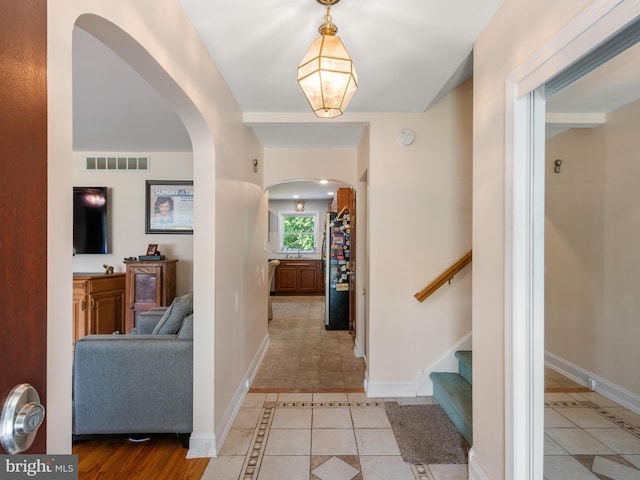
(465,356)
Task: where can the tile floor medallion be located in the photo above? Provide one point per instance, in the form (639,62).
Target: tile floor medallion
(321,436)
(590,439)
(343,435)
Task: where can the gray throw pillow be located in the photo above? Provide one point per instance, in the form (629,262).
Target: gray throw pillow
(186,330)
(172,319)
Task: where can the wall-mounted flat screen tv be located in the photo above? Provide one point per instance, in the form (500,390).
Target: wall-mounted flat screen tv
(90,223)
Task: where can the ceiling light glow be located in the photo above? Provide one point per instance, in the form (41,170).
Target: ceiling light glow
(326,73)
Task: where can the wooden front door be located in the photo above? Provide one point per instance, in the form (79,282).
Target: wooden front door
(23,199)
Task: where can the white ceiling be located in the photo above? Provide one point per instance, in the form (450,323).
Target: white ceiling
(407,54)
(304,190)
(585,102)
(404,52)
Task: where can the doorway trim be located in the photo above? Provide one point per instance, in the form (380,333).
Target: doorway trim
(524,226)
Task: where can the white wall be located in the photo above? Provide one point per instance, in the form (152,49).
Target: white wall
(592,230)
(282,164)
(229,270)
(419,224)
(518,29)
(126,211)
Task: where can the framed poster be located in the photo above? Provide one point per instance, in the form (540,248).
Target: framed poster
(169,206)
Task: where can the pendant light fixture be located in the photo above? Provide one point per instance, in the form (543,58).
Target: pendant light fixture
(326,74)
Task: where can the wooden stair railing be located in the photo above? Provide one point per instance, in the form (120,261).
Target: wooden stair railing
(444,278)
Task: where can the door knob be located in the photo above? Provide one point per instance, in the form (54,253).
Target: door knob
(22,415)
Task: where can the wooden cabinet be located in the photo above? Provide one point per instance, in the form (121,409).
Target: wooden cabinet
(148,284)
(98,303)
(303,277)
(342,199)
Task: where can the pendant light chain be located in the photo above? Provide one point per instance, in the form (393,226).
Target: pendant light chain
(327,16)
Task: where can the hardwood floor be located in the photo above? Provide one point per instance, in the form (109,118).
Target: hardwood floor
(120,459)
(555,382)
(302,357)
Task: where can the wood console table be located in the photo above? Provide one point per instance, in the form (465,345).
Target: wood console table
(149,284)
(98,303)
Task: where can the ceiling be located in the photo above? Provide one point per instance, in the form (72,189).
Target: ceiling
(585,102)
(305,190)
(407,54)
(404,53)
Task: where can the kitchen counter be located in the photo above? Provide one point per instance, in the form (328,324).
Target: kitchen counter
(294,256)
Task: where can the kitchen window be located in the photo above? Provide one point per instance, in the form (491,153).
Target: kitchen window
(299,231)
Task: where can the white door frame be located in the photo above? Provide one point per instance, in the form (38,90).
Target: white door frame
(524,222)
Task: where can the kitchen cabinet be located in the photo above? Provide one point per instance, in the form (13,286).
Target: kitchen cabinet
(342,199)
(299,276)
(149,283)
(98,303)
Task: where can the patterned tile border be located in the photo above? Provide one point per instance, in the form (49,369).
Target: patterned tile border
(629,427)
(253,459)
(421,472)
(626,426)
(328,404)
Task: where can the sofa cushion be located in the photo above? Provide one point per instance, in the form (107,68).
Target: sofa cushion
(172,319)
(186,330)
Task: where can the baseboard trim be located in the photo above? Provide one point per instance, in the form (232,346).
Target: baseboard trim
(446,363)
(391,389)
(240,394)
(598,384)
(475,471)
(257,360)
(202,446)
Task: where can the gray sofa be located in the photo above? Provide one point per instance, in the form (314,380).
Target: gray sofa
(137,384)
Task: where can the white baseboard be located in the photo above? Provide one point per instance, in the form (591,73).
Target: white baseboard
(390,389)
(358,349)
(240,394)
(422,386)
(257,359)
(598,384)
(202,446)
(475,471)
(446,363)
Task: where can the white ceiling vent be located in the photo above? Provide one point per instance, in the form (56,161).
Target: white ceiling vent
(117,163)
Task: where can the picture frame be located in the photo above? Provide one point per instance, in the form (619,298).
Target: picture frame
(152,249)
(169,206)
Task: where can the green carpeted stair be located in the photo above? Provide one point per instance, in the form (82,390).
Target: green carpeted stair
(453,392)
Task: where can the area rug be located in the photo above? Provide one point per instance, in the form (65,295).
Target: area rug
(426,435)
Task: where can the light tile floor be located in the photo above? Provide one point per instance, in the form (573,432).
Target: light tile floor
(337,435)
(303,355)
(318,436)
(347,436)
(588,436)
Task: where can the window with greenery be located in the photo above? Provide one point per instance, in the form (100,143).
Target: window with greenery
(298,232)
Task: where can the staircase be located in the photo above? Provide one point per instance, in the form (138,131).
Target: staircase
(453,392)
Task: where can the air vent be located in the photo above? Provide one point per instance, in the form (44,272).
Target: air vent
(117,163)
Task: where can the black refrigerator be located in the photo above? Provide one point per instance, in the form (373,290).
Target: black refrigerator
(337,245)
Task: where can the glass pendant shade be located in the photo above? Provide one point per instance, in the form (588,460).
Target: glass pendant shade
(327,76)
